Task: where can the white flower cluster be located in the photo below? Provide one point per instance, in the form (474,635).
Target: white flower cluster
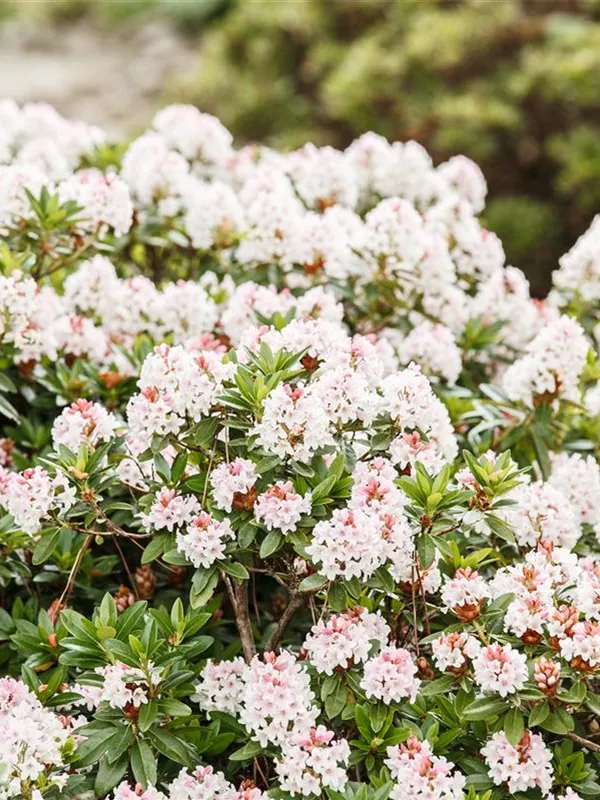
(83,423)
(543,513)
(345,639)
(421,775)
(500,669)
(206,784)
(390,676)
(551,367)
(32,740)
(524,766)
(313,761)
(204,539)
(124,686)
(280,507)
(30,496)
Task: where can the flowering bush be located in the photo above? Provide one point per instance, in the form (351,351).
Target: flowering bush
(300,488)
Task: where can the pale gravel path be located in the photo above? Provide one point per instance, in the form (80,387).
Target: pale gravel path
(112,79)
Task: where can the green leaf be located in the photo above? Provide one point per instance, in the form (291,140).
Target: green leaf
(129,619)
(321,491)
(178,466)
(312,583)
(201,592)
(106,632)
(147,715)
(109,775)
(439,686)
(592,702)
(235,569)
(120,742)
(247,752)
(514,725)
(143,763)
(302,469)
(539,714)
(270,544)
(361,716)
(6,384)
(336,702)
(484,708)
(95,747)
(541,453)
(8,410)
(426,550)
(174,708)
(170,746)
(559,722)
(155,548)
(500,528)
(46,546)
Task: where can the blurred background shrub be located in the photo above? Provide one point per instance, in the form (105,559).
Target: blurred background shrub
(513,84)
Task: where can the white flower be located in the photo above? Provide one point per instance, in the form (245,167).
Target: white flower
(281,507)
(500,669)
(83,423)
(204,539)
(230,480)
(390,676)
(528,765)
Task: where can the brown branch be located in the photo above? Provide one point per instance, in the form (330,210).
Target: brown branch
(424,598)
(296,602)
(63,599)
(583,742)
(414,611)
(238,596)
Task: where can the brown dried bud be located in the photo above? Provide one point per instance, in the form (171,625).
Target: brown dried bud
(425,671)
(315,266)
(110,379)
(310,363)
(124,598)
(27,367)
(145,582)
(244,501)
(468,611)
(581,665)
(531,637)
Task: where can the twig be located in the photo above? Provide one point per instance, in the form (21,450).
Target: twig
(424,598)
(414,610)
(296,602)
(127,570)
(262,774)
(74,570)
(583,742)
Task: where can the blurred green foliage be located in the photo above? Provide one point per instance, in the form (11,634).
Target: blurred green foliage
(190,15)
(514,84)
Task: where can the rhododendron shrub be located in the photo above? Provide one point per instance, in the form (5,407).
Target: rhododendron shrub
(299,486)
